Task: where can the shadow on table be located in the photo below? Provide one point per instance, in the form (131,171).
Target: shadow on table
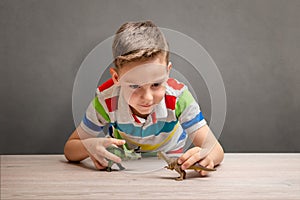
(86,164)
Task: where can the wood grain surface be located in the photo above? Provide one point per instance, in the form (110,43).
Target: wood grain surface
(240,176)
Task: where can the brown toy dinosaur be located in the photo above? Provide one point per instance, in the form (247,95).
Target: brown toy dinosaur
(173,164)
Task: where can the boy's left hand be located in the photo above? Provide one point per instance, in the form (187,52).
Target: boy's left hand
(192,156)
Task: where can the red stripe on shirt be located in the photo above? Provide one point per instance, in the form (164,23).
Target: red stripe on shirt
(106,85)
(176,151)
(153,115)
(136,119)
(170,101)
(112,103)
(175,84)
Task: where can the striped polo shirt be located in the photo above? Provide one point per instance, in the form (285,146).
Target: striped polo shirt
(165,129)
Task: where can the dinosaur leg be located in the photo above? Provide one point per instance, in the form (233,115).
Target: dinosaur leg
(120,166)
(179,178)
(108,168)
(182,174)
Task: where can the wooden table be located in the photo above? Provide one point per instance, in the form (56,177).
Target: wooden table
(241,176)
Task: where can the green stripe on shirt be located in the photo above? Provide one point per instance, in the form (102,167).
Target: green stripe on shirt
(99,108)
(185,99)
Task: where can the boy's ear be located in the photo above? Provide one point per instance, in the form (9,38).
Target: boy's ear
(169,67)
(114,75)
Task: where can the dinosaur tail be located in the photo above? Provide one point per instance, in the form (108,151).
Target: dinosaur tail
(163,155)
(197,166)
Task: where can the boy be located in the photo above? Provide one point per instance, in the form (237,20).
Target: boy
(146,108)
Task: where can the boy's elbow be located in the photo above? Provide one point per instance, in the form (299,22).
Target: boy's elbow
(68,154)
(221,153)
(73,153)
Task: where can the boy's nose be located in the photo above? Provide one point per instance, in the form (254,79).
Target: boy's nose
(147,95)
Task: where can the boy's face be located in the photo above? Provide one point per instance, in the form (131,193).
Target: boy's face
(143,83)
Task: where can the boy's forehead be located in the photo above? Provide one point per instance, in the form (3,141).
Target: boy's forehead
(158,60)
(145,73)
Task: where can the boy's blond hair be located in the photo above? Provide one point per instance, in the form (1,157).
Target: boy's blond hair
(138,41)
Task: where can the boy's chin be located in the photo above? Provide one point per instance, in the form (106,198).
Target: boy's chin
(142,112)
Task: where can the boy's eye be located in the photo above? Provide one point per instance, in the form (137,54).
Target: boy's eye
(156,84)
(134,86)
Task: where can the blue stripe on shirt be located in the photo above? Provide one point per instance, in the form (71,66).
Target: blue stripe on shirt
(91,125)
(182,136)
(193,121)
(153,129)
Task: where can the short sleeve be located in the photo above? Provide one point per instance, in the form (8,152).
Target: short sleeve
(188,112)
(95,118)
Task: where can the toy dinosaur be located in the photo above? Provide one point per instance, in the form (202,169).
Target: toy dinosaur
(173,165)
(123,153)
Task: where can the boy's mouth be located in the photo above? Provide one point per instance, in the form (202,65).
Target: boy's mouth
(147,105)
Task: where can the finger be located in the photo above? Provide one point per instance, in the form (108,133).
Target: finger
(112,156)
(188,154)
(118,142)
(194,157)
(103,153)
(206,163)
(96,163)
(205,173)
(189,162)
(115,141)
(102,161)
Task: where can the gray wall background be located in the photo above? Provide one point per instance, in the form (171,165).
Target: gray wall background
(255,44)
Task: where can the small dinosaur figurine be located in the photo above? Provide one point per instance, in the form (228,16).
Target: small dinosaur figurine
(173,165)
(123,153)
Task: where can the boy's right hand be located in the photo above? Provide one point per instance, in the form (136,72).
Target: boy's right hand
(96,148)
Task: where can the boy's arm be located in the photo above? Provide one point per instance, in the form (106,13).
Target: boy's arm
(207,151)
(210,146)
(74,149)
